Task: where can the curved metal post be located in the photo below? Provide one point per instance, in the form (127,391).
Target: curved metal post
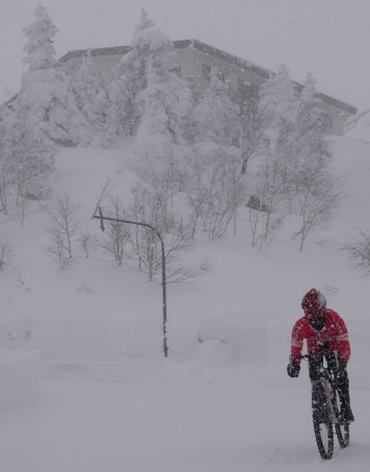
(164,294)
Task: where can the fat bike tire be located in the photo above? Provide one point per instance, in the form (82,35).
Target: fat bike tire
(322,425)
(341,429)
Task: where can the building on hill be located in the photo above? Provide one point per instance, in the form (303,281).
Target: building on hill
(195,59)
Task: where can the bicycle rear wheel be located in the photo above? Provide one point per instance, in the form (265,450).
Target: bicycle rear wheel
(322,424)
(341,429)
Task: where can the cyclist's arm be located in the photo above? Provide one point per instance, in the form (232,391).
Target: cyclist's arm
(342,340)
(297,339)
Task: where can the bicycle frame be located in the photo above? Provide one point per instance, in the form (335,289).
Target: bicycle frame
(327,381)
(325,412)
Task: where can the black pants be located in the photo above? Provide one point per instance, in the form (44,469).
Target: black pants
(338,366)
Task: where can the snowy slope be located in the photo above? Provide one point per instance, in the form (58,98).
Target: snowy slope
(108,400)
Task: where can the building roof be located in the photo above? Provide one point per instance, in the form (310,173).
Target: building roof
(194,43)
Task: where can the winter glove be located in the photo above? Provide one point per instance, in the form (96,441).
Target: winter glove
(293,368)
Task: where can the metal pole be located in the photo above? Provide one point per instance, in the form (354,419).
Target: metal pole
(164,294)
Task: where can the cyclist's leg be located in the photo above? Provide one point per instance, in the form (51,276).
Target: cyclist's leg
(314,364)
(342,385)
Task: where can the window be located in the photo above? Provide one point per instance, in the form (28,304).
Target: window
(326,120)
(221,76)
(206,72)
(246,89)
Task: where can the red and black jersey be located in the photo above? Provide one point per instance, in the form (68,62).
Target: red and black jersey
(334,336)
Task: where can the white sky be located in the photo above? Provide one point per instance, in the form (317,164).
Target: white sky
(330,38)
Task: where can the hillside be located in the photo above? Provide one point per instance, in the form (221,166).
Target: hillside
(223,394)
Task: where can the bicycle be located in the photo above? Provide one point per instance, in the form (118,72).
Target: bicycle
(326,412)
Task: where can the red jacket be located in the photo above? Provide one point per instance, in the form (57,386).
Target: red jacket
(334,335)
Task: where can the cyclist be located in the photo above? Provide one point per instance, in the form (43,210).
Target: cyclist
(324,331)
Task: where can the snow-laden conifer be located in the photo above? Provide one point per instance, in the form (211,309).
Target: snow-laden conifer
(216,115)
(146,99)
(30,156)
(314,189)
(86,87)
(46,91)
(278,96)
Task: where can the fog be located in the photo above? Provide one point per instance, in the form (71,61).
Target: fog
(329,38)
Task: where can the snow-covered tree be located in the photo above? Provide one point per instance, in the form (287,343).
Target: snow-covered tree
(121,99)
(30,156)
(216,115)
(26,161)
(46,90)
(278,96)
(117,111)
(309,147)
(308,114)
(296,137)
(145,246)
(166,100)
(6,253)
(267,212)
(39,47)
(278,106)
(86,87)
(101,107)
(147,99)
(6,121)
(178,105)
(64,223)
(318,198)
(304,159)
(253,123)
(357,249)
(214,189)
(162,176)
(116,235)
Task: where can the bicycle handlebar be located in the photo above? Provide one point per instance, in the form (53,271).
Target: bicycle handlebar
(324,352)
(324,370)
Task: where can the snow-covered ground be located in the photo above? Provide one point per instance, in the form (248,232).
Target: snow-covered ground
(84,385)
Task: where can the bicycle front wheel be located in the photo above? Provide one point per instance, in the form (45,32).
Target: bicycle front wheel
(322,424)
